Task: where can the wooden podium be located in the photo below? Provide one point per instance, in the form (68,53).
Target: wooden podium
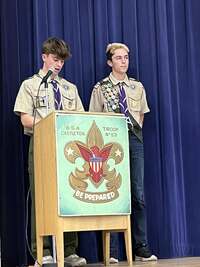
(48,220)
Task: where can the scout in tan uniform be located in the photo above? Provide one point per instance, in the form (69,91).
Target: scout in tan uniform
(32,105)
(27,101)
(119,93)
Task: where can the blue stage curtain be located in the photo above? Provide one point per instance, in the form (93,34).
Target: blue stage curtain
(163,37)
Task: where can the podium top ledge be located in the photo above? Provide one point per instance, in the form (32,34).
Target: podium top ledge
(85,113)
(60,112)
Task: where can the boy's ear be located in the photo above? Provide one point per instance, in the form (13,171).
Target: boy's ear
(109,62)
(43,57)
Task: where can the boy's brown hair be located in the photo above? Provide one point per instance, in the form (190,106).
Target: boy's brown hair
(56,47)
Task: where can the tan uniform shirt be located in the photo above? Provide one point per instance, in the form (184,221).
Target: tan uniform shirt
(105,98)
(26,98)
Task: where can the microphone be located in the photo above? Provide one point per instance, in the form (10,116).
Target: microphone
(45,78)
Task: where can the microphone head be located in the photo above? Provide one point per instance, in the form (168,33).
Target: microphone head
(49,73)
(52,69)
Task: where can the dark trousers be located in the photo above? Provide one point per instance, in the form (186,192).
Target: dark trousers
(70,239)
(138,216)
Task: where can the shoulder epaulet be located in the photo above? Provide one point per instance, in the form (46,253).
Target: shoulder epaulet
(104,81)
(133,79)
(97,85)
(33,76)
(65,82)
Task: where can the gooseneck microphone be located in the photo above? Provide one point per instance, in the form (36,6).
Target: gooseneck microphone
(45,78)
(36,106)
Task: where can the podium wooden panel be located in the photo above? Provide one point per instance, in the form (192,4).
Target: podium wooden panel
(46,194)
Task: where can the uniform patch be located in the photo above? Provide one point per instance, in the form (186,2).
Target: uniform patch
(65,87)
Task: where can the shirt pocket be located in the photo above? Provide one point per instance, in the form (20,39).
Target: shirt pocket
(69,101)
(40,99)
(135,102)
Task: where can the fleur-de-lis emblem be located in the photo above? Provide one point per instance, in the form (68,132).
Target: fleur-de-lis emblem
(95,155)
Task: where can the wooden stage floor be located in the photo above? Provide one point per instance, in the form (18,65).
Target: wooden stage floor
(179,262)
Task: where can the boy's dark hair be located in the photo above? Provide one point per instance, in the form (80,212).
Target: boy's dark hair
(56,47)
(109,55)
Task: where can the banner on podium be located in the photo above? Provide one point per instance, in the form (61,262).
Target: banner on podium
(93,173)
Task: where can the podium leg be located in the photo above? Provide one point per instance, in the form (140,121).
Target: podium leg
(128,242)
(106,247)
(39,241)
(60,249)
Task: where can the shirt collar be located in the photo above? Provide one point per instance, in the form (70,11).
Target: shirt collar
(115,81)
